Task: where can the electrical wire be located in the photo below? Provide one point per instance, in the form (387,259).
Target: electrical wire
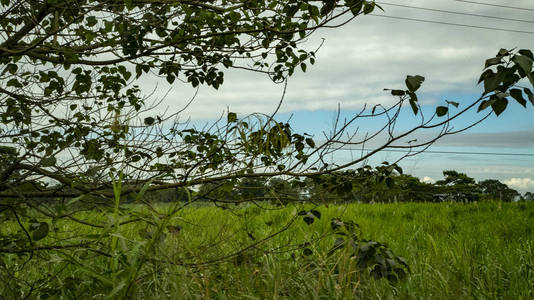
(445,152)
(456,13)
(453,24)
(497,5)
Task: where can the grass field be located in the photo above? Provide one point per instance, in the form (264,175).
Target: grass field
(455,251)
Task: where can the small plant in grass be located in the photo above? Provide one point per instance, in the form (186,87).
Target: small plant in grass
(371,256)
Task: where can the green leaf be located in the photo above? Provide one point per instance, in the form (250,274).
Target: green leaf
(518,96)
(232,117)
(39,230)
(129,4)
(149,121)
(455,104)
(303,67)
(398,92)
(310,142)
(170,78)
(486,103)
(526,53)
(14,83)
(530,95)
(413,102)
(91,21)
(441,111)
(368,7)
(524,62)
(484,75)
(414,106)
(503,52)
(499,105)
(48,161)
(194,81)
(491,82)
(138,71)
(493,61)
(328,6)
(316,213)
(11,68)
(531,78)
(355,6)
(413,83)
(308,219)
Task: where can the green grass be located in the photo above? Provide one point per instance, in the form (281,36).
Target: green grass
(455,251)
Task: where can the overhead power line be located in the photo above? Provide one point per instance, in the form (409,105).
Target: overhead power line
(454,24)
(456,12)
(444,152)
(497,5)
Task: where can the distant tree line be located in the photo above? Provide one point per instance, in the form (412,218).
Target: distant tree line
(382,184)
(361,185)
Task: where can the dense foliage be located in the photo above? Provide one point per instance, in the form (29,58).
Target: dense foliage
(367,187)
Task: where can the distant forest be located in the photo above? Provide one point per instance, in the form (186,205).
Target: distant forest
(363,185)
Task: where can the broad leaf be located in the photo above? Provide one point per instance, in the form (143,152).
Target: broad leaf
(526,53)
(414,106)
(39,230)
(491,82)
(486,103)
(455,104)
(413,83)
(503,52)
(524,62)
(316,213)
(232,117)
(499,105)
(149,121)
(413,102)
(14,83)
(328,6)
(48,161)
(518,96)
(398,92)
(308,220)
(530,95)
(484,75)
(493,61)
(441,111)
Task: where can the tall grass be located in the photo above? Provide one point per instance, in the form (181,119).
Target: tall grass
(455,251)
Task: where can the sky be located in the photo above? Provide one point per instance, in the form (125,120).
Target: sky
(357,61)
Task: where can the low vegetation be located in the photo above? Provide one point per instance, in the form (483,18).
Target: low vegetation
(478,251)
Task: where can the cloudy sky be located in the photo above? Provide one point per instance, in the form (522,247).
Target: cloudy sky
(359,60)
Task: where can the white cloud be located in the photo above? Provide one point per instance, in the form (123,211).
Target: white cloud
(427,179)
(520,183)
(361,58)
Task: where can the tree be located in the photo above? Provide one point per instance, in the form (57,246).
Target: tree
(529,196)
(498,190)
(8,160)
(459,187)
(72,108)
(455,178)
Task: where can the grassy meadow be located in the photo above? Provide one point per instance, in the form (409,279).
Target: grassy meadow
(455,251)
